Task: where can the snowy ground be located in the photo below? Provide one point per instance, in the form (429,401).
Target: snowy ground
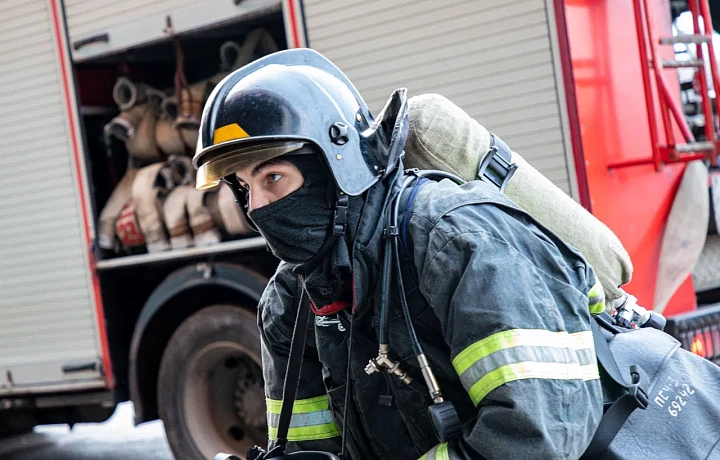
(115,439)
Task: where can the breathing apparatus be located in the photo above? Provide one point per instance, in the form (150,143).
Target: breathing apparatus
(443,415)
(629,314)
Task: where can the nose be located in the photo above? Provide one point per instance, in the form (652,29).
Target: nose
(258,199)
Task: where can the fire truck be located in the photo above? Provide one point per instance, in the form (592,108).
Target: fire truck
(97,311)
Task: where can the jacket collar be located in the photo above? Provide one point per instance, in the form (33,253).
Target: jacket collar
(367,247)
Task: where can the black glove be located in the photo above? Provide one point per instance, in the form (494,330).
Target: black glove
(277,452)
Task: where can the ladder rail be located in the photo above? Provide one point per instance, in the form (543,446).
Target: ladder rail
(708,30)
(645,64)
(707,25)
(670,107)
(666,101)
(702,78)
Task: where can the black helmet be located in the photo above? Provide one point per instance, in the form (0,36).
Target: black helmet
(287,99)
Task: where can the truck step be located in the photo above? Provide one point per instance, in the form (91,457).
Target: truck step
(694,147)
(685,38)
(672,64)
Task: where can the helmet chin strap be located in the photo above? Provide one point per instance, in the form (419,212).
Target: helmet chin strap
(337,229)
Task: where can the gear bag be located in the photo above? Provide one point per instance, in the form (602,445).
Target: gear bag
(678,389)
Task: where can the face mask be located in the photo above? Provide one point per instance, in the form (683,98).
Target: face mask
(296,226)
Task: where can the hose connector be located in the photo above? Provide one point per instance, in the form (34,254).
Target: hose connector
(430,379)
(384,363)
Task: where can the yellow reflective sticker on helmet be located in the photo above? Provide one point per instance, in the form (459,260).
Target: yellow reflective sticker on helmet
(229,133)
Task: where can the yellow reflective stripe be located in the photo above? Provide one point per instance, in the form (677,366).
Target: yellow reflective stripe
(307,433)
(581,340)
(442,452)
(596,298)
(439,452)
(589,372)
(530,370)
(300,406)
(311,419)
(520,337)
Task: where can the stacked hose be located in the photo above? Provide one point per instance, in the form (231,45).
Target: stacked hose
(154,207)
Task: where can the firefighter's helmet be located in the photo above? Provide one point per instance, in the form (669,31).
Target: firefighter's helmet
(282,101)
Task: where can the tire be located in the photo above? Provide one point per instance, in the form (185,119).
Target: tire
(13,424)
(210,388)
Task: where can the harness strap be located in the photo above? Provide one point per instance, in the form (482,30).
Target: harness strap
(292,374)
(408,208)
(635,395)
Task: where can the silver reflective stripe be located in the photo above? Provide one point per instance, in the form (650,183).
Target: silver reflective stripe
(311,419)
(308,419)
(537,354)
(518,354)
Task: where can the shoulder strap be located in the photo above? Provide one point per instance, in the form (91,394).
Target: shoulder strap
(634,397)
(412,192)
(292,373)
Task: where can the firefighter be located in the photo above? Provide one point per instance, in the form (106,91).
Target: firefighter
(499,304)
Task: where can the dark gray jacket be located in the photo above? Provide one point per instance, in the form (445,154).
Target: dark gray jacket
(501,308)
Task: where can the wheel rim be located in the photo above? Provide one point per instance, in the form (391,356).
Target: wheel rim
(223,399)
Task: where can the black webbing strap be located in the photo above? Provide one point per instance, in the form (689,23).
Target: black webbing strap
(635,396)
(292,374)
(496,166)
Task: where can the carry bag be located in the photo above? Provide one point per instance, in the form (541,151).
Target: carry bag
(676,395)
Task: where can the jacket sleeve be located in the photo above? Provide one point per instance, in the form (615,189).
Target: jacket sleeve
(513,304)
(312,426)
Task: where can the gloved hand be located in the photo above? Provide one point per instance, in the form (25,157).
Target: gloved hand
(277,452)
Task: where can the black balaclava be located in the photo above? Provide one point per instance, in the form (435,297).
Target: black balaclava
(296,226)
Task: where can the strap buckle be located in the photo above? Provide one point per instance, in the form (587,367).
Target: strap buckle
(391,232)
(496,167)
(637,389)
(340,217)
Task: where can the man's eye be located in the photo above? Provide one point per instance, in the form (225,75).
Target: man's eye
(274,177)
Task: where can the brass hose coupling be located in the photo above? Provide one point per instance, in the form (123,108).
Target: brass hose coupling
(383,362)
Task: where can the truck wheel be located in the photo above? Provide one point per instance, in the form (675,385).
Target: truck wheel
(16,423)
(210,386)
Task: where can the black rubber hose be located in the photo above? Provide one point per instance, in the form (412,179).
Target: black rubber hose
(385,294)
(417,348)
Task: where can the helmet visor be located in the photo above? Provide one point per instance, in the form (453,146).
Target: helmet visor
(211,173)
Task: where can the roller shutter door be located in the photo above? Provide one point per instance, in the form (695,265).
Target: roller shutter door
(493,58)
(100,27)
(47,311)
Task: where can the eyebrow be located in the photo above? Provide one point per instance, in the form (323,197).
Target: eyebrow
(265,164)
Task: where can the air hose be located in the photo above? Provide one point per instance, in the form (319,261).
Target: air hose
(446,422)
